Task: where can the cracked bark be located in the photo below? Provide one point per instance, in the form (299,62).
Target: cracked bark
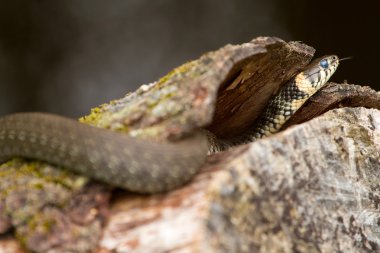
(310,188)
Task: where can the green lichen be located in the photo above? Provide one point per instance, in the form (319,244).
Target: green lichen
(149,111)
(17,169)
(175,73)
(29,189)
(110,114)
(38,224)
(28,185)
(95,116)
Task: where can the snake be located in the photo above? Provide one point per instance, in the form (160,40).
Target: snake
(139,165)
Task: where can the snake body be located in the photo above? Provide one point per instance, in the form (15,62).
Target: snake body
(141,165)
(292,96)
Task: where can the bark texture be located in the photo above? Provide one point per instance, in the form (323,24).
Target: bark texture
(170,108)
(310,188)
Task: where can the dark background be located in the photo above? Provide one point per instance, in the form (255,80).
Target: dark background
(68,56)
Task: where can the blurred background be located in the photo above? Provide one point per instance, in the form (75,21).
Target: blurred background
(68,56)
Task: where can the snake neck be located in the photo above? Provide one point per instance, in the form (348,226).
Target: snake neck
(279,109)
(284,105)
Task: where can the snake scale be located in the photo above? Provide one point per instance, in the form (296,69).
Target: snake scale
(140,165)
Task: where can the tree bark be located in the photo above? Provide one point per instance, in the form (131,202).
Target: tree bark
(310,188)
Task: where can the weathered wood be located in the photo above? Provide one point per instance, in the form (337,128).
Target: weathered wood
(285,193)
(312,188)
(335,95)
(175,105)
(224,90)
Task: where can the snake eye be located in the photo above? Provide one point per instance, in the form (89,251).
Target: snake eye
(324,64)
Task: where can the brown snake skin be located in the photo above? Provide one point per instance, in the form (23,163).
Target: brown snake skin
(114,158)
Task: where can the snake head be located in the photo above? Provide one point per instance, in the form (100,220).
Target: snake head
(319,71)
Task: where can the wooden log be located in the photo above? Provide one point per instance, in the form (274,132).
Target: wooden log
(311,188)
(37,200)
